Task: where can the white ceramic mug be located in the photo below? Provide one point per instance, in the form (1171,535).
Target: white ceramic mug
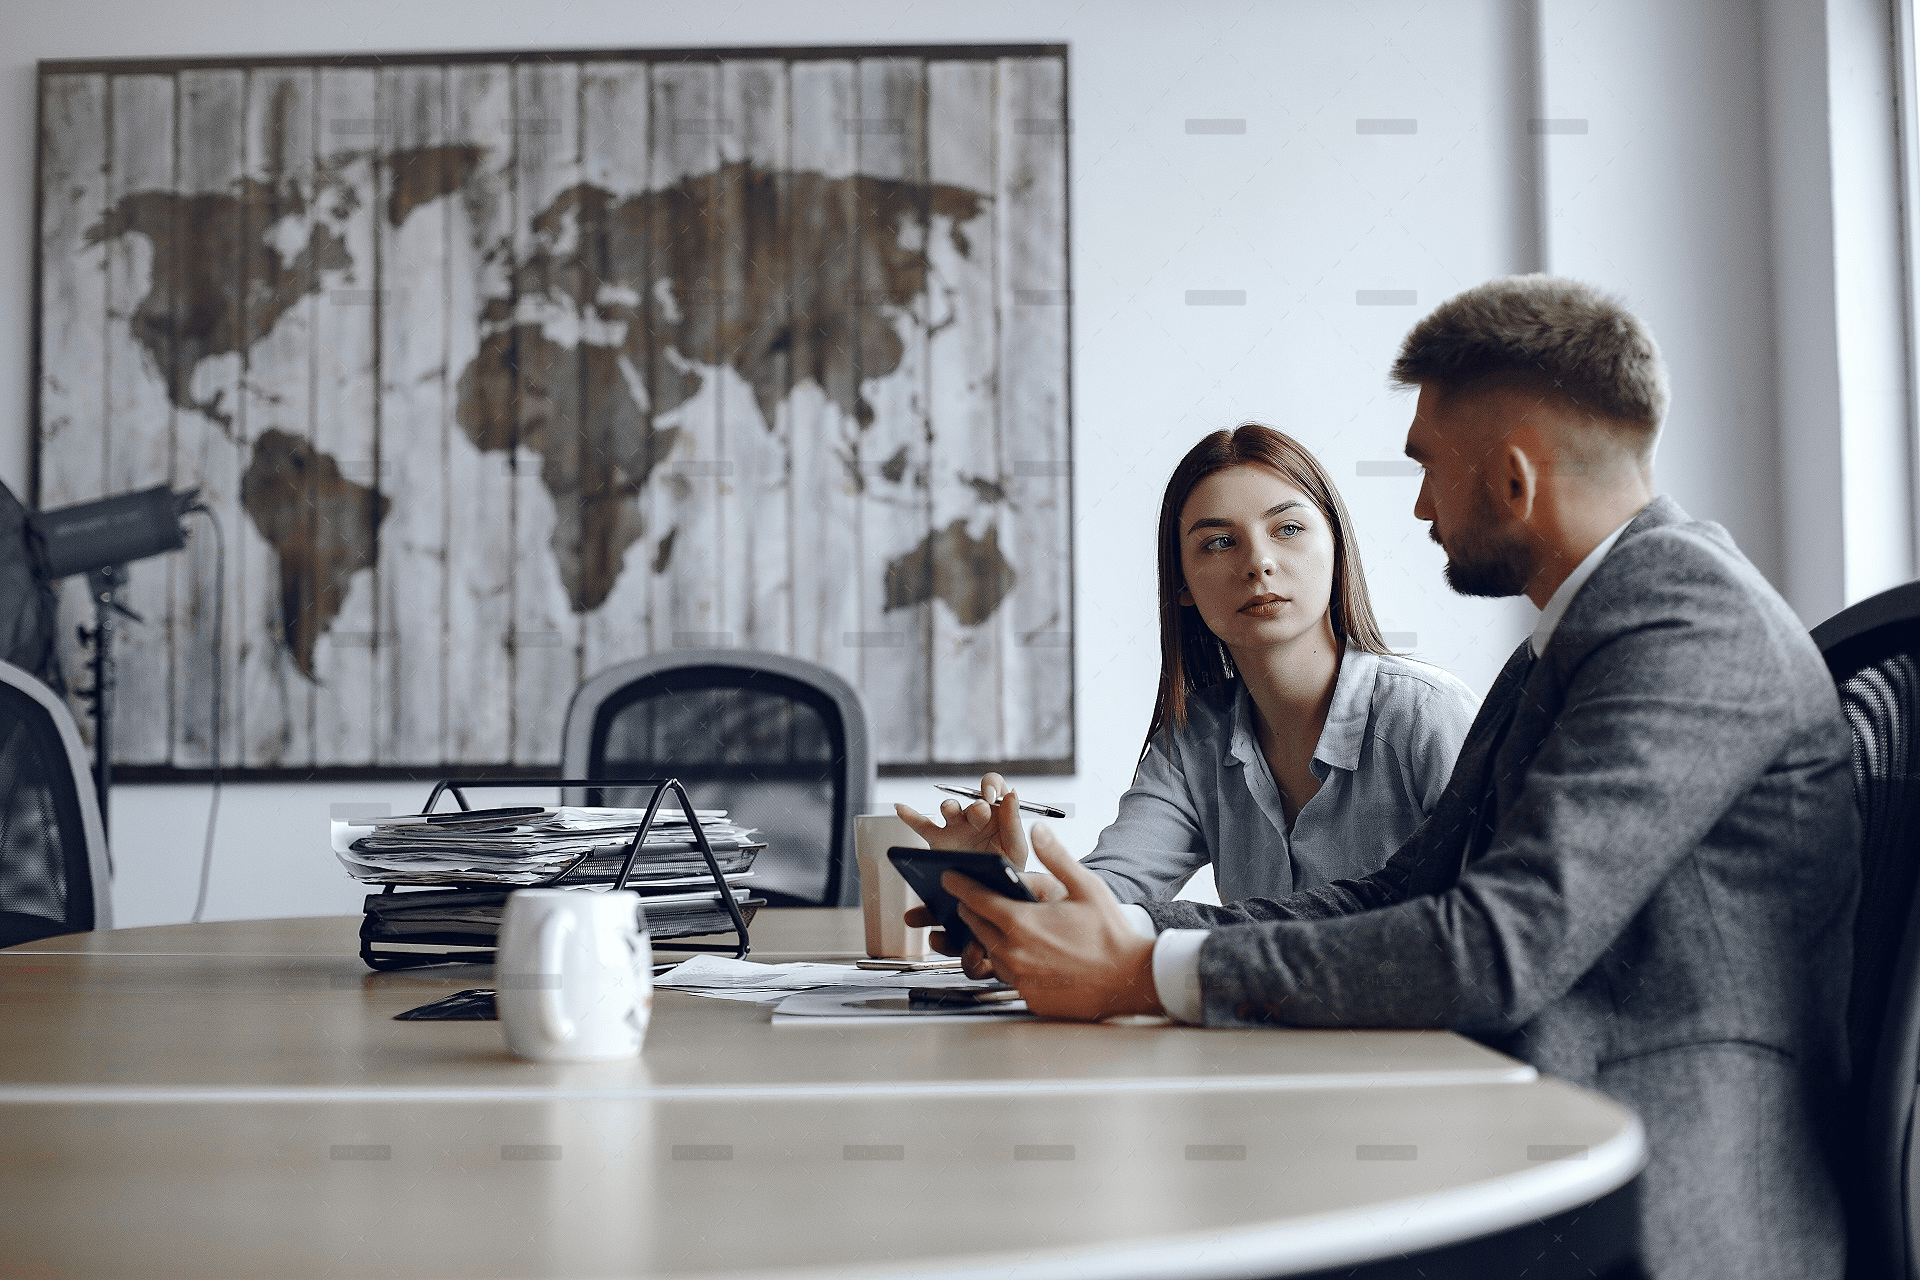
(573,975)
(884,896)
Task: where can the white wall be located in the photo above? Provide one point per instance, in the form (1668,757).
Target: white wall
(1664,197)
(1301,212)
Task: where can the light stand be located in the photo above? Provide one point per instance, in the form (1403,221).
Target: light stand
(103,584)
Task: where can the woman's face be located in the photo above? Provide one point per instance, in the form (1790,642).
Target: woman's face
(1257,556)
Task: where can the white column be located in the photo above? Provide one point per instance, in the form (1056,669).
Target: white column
(1846,494)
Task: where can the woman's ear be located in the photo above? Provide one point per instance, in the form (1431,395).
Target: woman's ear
(1185,597)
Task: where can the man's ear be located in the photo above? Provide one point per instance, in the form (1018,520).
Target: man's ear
(1519,480)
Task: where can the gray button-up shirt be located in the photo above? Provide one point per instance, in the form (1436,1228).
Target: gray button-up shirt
(1206,795)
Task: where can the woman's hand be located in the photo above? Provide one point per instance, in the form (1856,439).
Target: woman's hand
(990,824)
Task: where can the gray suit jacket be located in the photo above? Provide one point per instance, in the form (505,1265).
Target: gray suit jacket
(1642,879)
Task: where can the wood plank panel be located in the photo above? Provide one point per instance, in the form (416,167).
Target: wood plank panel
(755,496)
(967,471)
(714,396)
(546,631)
(75,119)
(345,409)
(210,232)
(73,290)
(890,360)
(687,535)
(616,252)
(824,541)
(275,695)
(477,622)
(139,418)
(420,183)
(1038,617)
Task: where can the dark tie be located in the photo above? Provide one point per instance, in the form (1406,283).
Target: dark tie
(1471,790)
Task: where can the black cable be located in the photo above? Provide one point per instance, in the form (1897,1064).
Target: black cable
(219,628)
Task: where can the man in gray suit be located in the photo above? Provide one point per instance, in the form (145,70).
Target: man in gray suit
(1642,875)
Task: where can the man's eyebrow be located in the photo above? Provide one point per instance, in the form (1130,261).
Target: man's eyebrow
(1221,522)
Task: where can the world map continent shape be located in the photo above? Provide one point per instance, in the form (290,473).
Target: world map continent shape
(784,275)
(218,284)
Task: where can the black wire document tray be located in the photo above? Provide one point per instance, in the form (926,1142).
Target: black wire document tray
(682,897)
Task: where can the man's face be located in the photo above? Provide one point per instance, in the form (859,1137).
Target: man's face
(1456,439)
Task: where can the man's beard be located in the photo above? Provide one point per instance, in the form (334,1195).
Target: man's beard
(1491,557)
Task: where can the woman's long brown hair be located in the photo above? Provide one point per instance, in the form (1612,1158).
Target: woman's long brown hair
(1192,657)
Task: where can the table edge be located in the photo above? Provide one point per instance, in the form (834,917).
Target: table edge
(1344,1238)
(83,1094)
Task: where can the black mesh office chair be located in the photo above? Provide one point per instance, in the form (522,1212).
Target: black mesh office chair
(777,741)
(53,851)
(1873,650)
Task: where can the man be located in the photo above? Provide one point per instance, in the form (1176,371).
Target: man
(1643,872)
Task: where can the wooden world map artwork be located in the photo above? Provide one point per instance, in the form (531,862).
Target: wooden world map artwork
(498,371)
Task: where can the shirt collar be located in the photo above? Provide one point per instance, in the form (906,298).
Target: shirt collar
(1241,744)
(1557,604)
(1346,728)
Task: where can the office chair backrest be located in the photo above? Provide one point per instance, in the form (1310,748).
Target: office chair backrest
(53,850)
(1873,650)
(777,741)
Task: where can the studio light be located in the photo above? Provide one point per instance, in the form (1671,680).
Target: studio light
(100,539)
(112,531)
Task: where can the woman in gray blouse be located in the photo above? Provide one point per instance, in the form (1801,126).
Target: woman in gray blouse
(1288,746)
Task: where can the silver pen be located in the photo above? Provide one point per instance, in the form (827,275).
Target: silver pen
(1044,810)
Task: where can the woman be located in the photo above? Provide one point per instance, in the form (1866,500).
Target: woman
(1289,747)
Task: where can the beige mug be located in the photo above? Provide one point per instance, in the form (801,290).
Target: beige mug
(884,896)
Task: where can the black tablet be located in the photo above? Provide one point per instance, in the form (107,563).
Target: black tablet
(922,869)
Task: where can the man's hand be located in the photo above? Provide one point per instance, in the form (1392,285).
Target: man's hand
(974,961)
(1073,956)
(990,824)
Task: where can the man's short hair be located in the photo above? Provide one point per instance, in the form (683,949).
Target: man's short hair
(1556,335)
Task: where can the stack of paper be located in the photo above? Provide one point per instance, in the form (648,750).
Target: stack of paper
(536,847)
(434,917)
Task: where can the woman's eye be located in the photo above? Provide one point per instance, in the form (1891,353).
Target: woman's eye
(1290,529)
(1220,543)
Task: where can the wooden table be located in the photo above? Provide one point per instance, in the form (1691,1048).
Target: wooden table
(236,1099)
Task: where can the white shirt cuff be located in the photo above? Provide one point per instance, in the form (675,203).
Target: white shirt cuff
(1137,917)
(1176,973)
